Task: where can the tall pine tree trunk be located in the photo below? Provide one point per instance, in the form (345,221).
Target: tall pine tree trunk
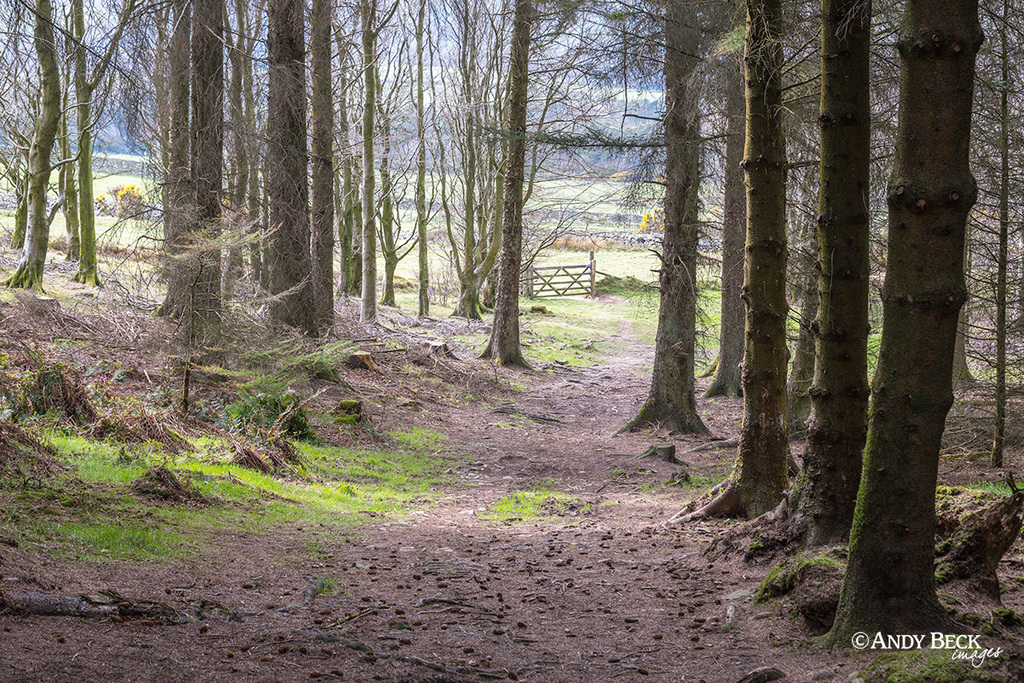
(207,158)
(504,342)
(286,169)
(889,585)
(734,222)
(827,491)
(759,479)
(322,210)
(804,285)
(671,401)
(999,428)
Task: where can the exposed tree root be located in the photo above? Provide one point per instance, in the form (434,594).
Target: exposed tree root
(26,278)
(651,414)
(89,278)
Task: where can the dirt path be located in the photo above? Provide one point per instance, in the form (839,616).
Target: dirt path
(597,592)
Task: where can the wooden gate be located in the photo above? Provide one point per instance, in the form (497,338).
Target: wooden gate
(554,281)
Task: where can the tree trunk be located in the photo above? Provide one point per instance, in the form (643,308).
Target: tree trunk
(368,302)
(999,428)
(345,190)
(29,273)
(889,585)
(671,401)
(468,305)
(179,194)
(21,209)
(827,491)
(68,182)
(504,342)
(87,261)
(387,210)
(730,344)
(238,180)
(85,86)
(207,159)
(322,210)
(801,373)
(286,169)
(423,293)
(757,483)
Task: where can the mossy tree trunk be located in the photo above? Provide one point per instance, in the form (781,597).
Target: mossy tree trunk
(827,490)
(889,585)
(29,273)
(671,400)
(391,249)
(68,182)
(504,342)
(727,379)
(322,159)
(21,199)
(86,83)
(288,254)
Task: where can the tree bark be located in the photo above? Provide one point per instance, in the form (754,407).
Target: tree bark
(827,491)
(286,169)
(999,427)
(757,483)
(180,207)
(889,585)
(730,344)
(801,372)
(85,85)
(345,201)
(29,273)
(423,293)
(322,210)
(207,159)
(368,301)
(504,342)
(671,401)
(68,183)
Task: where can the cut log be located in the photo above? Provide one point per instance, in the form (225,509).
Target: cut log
(662,451)
(362,360)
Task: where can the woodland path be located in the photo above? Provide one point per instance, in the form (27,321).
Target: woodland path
(596,592)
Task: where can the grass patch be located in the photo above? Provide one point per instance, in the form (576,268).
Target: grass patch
(90,512)
(114,540)
(538,504)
